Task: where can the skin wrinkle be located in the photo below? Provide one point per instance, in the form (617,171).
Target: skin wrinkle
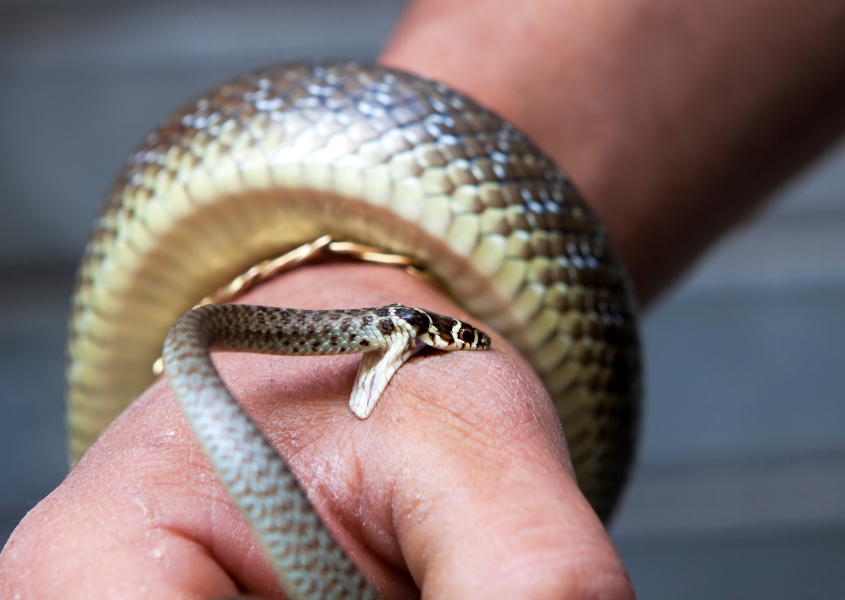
(211,502)
(405,508)
(522,389)
(391,491)
(497,521)
(505,431)
(468,428)
(334,495)
(384,539)
(212,510)
(413,503)
(105,517)
(464,434)
(386,497)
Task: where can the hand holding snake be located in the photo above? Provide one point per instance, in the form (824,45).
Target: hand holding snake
(141,504)
(581,251)
(412,504)
(360,152)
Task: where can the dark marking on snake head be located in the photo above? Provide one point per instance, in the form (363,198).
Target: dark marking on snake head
(413,317)
(444,325)
(364,343)
(386,326)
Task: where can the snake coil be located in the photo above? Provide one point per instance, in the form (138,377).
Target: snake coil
(281,156)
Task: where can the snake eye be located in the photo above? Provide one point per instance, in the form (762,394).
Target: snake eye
(467,336)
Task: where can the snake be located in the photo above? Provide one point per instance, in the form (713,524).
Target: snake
(377,158)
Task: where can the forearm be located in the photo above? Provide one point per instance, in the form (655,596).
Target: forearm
(673,119)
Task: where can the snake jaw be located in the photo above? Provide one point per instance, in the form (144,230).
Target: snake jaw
(412,328)
(376,370)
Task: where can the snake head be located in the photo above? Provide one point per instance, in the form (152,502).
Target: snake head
(462,336)
(443,333)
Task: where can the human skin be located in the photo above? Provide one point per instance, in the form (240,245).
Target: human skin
(674,120)
(459,482)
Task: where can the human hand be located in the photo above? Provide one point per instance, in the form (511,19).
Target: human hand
(459,483)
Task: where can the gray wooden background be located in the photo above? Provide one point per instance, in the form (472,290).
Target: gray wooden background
(740,487)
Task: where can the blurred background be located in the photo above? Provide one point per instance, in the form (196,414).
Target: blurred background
(740,486)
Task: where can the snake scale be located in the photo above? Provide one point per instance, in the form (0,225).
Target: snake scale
(307,560)
(282,156)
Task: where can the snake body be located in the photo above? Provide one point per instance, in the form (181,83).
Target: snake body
(308,562)
(279,157)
